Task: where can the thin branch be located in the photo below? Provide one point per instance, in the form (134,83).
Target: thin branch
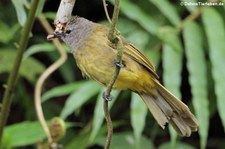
(106,11)
(43,77)
(119,55)
(107,93)
(109,125)
(113,32)
(63,14)
(191,17)
(113,37)
(7,98)
(62,17)
(64,11)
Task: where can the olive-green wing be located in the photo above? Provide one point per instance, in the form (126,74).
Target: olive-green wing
(139,57)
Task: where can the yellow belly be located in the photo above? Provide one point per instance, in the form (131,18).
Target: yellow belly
(96,60)
(101,68)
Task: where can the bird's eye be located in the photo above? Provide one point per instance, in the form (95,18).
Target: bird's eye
(68,31)
(58,33)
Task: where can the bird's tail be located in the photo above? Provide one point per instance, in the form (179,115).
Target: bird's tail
(166,108)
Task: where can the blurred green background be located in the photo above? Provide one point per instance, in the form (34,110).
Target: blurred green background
(185,42)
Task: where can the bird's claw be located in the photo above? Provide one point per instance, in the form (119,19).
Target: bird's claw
(118,64)
(107,97)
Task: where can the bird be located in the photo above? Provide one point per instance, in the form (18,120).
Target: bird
(95,56)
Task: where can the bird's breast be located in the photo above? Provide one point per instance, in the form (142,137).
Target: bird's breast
(96,60)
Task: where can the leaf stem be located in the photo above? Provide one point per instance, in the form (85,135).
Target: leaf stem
(44,76)
(7,98)
(112,32)
(106,11)
(113,37)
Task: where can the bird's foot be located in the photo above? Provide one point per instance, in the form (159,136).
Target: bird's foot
(118,64)
(107,97)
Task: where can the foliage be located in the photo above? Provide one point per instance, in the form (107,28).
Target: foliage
(186,44)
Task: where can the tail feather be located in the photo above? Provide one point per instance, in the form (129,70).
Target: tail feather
(180,126)
(179,107)
(166,108)
(155,110)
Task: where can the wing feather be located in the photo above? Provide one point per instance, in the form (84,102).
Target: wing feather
(139,57)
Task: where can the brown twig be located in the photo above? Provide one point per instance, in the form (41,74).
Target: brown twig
(113,31)
(109,125)
(106,11)
(107,93)
(7,98)
(63,15)
(193,16)
(113,37)
(190,17)
(43,77)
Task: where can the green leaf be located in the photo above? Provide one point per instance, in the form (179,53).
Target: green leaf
(135,13)
(20,10)
(43,47)
(215,32)
(139,38)
(7,31)
(187,4)
(169,35)
(24,133)
(49,47)
(30,67)
(66,70)
(154,56)
(224,4)
(81,141)
(99,112)
(62,90)
(40,7)
(79,97)
(211,90)
(179,145)
(196,65)
(172,65)
(50,15)
(125,140)
(124,28)
(167,10)
(138,116)
(4,30)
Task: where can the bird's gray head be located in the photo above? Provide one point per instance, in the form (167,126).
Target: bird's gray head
(77,29)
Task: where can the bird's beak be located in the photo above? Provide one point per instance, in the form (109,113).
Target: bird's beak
(54,35)
(51,36)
